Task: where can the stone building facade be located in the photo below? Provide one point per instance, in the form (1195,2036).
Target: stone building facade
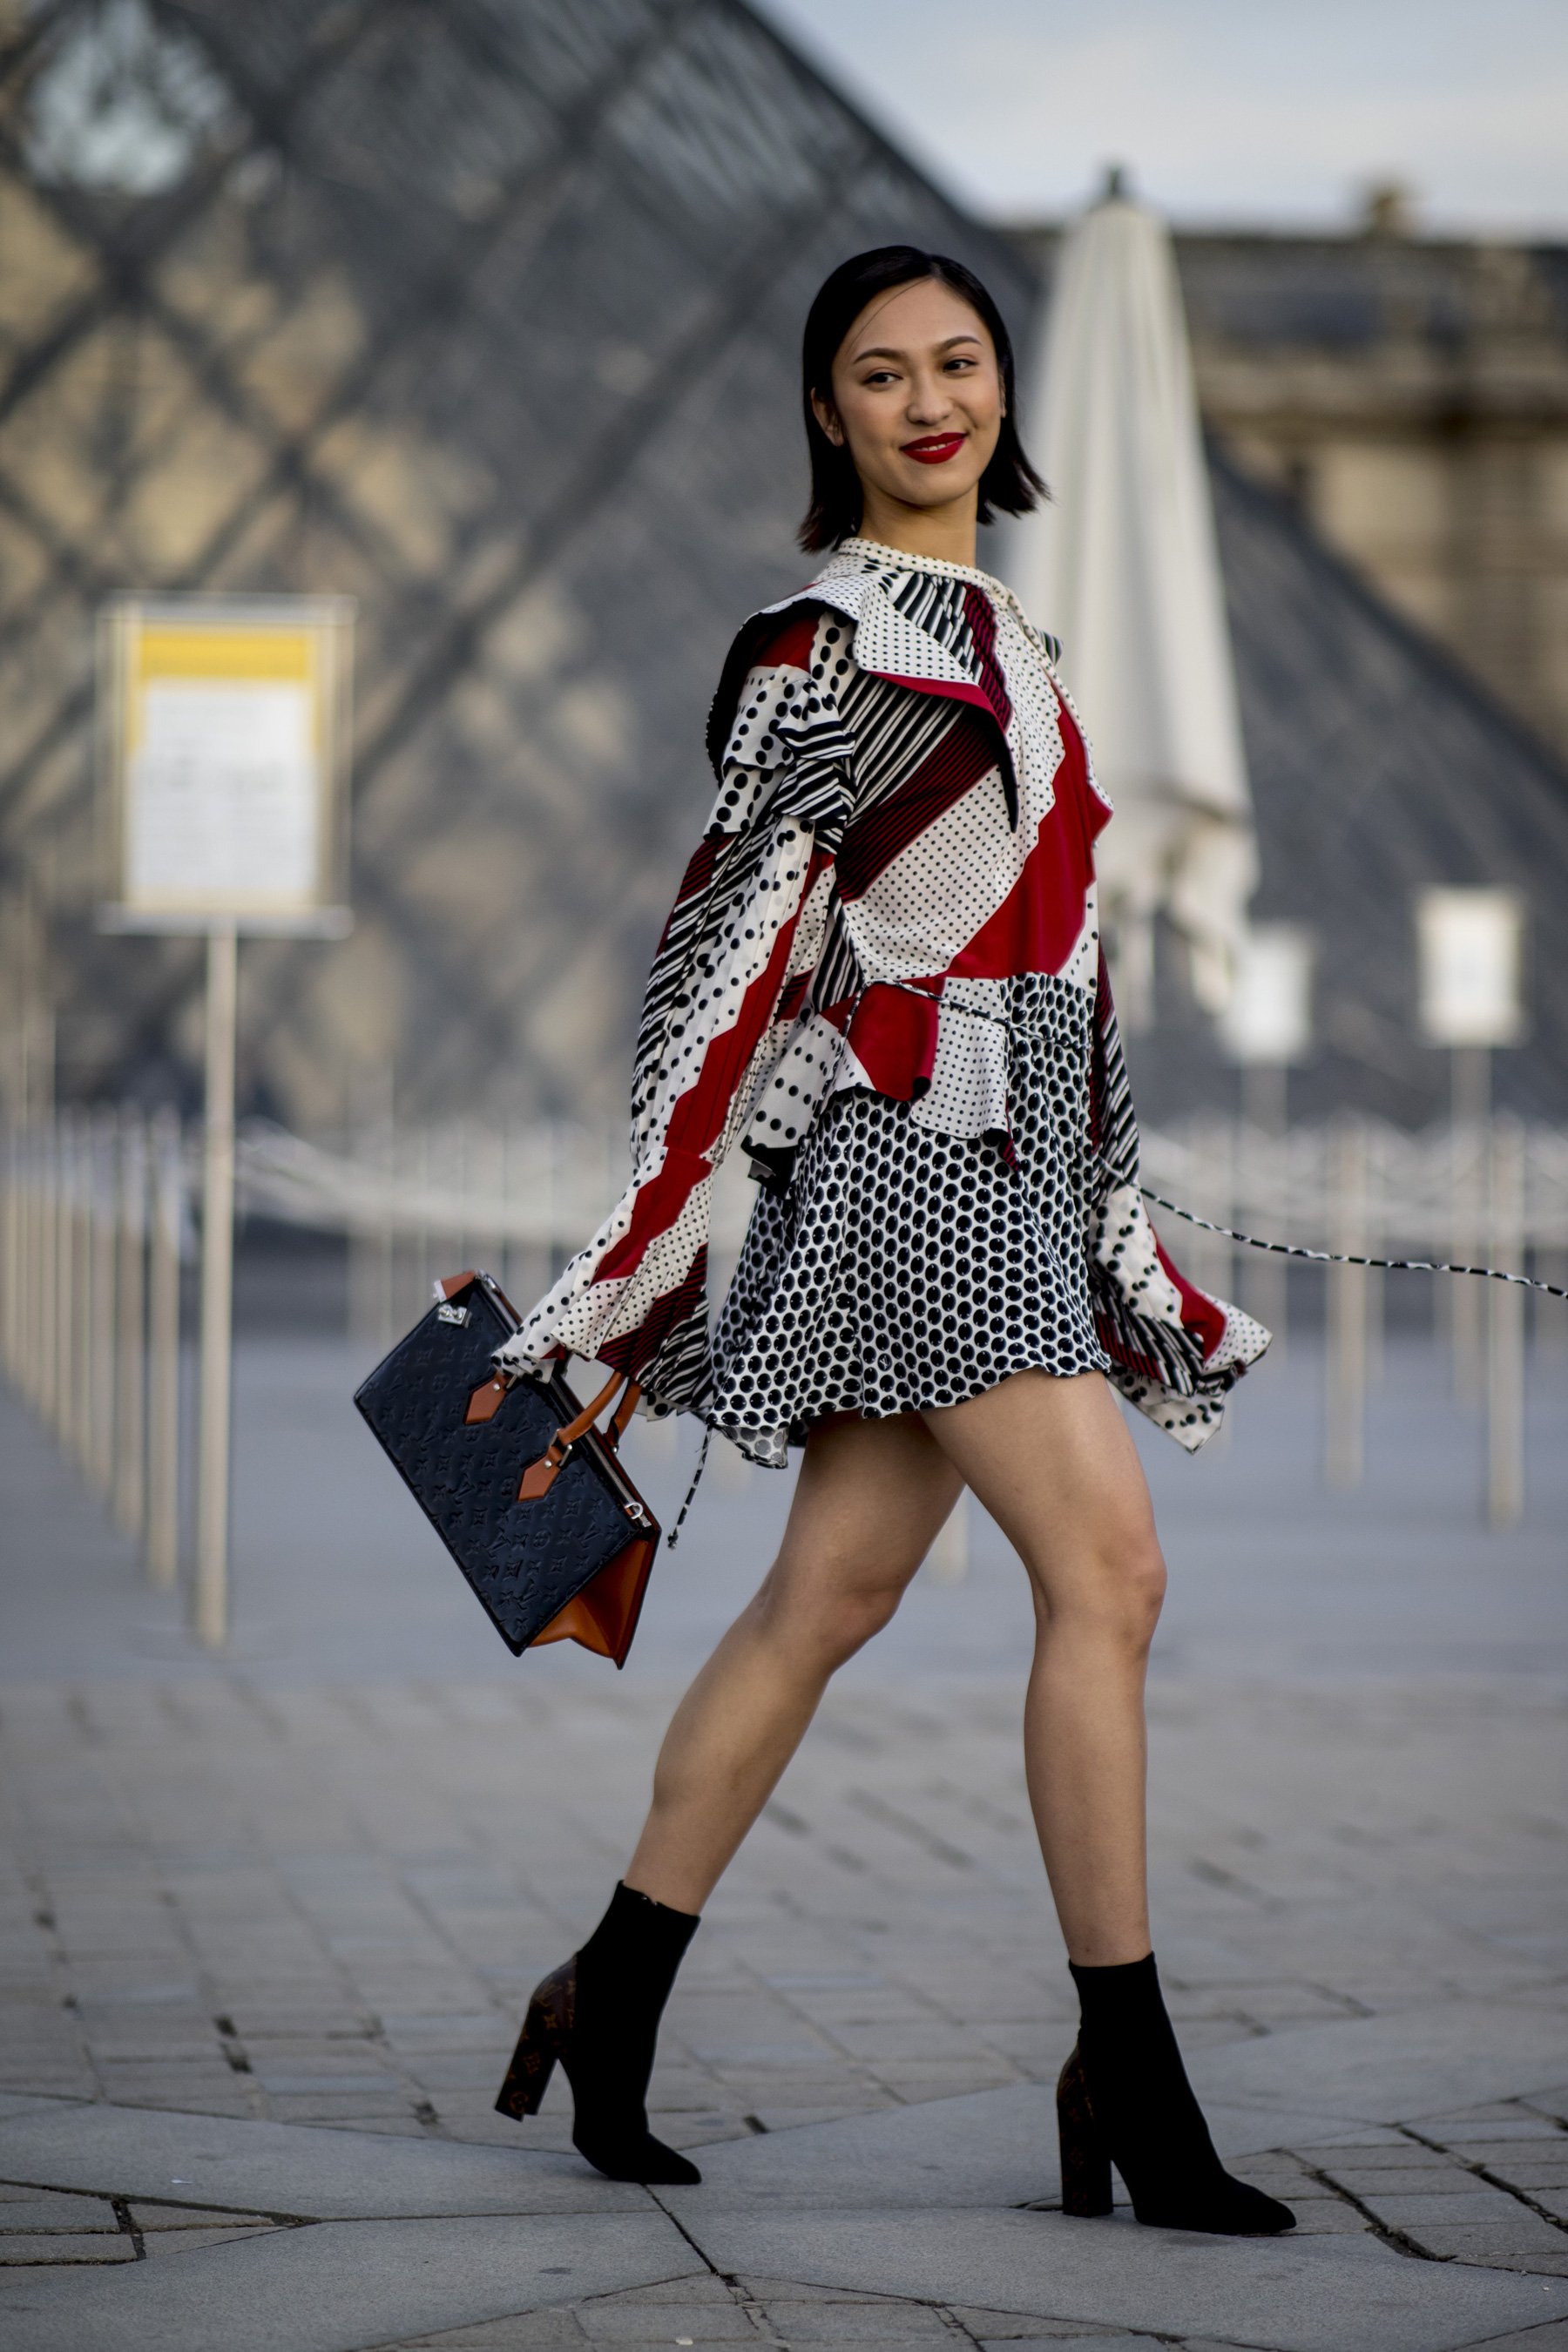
(1411,395)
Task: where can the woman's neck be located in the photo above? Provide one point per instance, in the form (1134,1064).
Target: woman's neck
(946,532)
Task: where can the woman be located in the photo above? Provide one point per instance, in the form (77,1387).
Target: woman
(882,979)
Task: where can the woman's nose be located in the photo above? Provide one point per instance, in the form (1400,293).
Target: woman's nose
(928,399)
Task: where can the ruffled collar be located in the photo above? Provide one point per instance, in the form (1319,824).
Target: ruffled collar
(857,555)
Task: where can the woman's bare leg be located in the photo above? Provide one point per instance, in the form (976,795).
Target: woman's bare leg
(870,1501)
(1054,1463)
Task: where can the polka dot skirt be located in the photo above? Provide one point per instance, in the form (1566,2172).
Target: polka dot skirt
(907,1268)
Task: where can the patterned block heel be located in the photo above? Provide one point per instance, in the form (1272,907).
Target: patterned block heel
(545,2032)
(1086,2166)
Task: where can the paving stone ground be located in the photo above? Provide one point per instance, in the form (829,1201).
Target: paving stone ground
(267,1924)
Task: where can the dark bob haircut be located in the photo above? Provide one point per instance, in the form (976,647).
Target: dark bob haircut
(1009,484)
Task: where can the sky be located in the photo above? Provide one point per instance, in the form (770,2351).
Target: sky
(1226,111)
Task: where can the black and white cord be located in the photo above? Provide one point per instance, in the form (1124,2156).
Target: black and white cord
(1346,1258)
(674,1536)
(1248,1241)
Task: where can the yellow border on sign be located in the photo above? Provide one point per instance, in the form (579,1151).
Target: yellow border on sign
(223,657)
(307,643)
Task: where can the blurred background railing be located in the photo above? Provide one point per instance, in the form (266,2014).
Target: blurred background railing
(99,1217)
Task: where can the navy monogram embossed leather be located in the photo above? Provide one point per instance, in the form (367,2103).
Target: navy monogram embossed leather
(567,1557)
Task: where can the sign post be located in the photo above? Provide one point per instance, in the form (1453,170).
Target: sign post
(1470,945)
(217,1289)
(1265,1028)
(224,726)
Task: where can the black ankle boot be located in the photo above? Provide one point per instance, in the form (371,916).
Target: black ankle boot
(599,2015)
(1124,2099)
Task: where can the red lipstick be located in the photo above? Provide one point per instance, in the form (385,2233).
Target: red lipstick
(935,449)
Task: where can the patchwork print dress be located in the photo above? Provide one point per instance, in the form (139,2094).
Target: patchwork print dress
(882,982)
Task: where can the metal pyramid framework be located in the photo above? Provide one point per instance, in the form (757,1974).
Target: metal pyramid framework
(485,313)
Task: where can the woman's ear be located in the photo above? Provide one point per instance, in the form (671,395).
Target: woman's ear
(826,417)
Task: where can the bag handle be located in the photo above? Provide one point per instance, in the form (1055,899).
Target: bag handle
(540,1475)
(624,1411)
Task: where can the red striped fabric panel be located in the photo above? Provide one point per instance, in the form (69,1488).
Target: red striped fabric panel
(699,1113)
(964,755)
(1038,925)
(634,1349)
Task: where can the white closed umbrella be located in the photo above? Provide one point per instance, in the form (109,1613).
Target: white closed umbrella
(1122,566)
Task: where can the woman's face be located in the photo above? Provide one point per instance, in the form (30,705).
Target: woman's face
(917,397)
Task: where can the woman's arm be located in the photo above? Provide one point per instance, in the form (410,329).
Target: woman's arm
(746,923)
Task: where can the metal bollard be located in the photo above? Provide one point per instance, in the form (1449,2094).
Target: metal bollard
(1505,1326)
(83,1270)
(1551,1314)
(11,1250)
(65,1277)
(1468,1149)
(81,1399)
(164,1353)
(40,1370)
(1262,1174)
(214,1381)
(1344,1416)
(130,1492)
(103,1296)
(23,1363)
(47,1334)
(1212,1259)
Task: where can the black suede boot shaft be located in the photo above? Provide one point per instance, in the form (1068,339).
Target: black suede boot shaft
(1127,2037)
(626,1971)
(1144,2115)
(1129,1991)
(624,1975)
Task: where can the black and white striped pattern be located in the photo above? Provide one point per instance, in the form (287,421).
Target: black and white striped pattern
(937,606)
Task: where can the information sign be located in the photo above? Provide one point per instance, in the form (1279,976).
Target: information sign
(1471,955)
(1269,1017)
(225,736)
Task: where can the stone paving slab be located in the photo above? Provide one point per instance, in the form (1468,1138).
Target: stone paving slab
(1239,2132)
(1393,2068)
(11,2106)
(988,2148)
(64,2247)
(341,2285)
(1323,2295)
(291,2169)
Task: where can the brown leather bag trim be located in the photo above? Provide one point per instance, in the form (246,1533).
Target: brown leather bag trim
(540,1476)
(486,1400)
(603,1616)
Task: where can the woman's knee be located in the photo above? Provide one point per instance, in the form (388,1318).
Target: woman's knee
(1114,1590)
(824,1618)
(1144,1580)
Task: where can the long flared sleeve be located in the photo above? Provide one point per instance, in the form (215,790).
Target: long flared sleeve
(737,953)
(1175,1352)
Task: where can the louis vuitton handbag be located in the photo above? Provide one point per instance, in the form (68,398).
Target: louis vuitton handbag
(522,1488)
